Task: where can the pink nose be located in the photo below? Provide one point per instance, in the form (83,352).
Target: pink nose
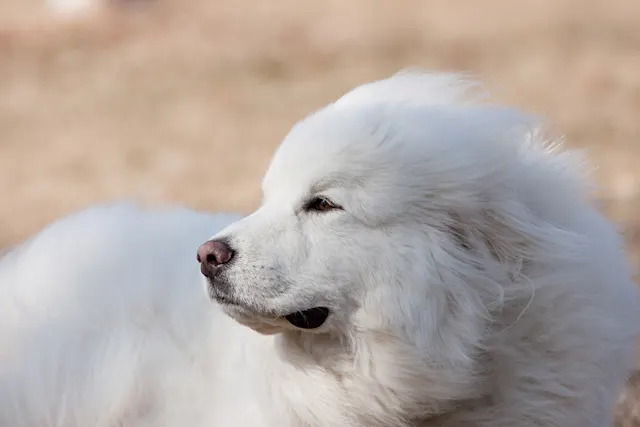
(214,253)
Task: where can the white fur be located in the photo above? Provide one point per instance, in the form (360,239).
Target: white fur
(470,282)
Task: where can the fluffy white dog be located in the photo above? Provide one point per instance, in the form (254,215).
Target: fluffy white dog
(418,259)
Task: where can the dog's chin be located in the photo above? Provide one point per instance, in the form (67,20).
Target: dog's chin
(252,320)
(260,327)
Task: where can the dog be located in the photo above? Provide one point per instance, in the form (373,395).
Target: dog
(421,257)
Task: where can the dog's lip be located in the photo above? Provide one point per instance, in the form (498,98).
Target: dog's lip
(230,302)
(311,318)
(223,299)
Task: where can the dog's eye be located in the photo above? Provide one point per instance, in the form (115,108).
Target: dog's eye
(321,204)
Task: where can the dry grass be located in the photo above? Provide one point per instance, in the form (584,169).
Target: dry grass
(184,103)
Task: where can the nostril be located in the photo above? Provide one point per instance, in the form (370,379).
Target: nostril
(211,259)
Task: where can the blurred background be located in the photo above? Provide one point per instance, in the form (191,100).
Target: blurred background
(183,101)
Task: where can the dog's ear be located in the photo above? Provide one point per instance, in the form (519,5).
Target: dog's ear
(492,239)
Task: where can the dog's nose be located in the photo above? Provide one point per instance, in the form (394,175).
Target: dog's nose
(212,254)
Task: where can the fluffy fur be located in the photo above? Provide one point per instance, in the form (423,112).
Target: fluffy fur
(469,279)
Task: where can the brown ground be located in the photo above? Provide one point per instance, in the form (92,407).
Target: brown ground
(185,103)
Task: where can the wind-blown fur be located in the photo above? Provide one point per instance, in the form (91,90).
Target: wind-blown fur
(469,279)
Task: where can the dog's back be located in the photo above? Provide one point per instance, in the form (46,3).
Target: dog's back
(98,312)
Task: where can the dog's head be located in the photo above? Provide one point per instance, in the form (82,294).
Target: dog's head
(400,212)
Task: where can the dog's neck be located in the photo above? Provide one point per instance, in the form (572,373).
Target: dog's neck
(312,390)
(333,380)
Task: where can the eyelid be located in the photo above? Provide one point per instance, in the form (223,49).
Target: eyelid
(332,202)
(309,201)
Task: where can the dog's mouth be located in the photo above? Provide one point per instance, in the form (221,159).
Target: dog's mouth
(312,318)
(308,319)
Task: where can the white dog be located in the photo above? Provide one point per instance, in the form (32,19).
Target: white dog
(418,260)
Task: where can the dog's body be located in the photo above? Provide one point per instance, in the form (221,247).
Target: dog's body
(417,261)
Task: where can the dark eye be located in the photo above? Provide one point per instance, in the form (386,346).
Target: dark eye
(321,204)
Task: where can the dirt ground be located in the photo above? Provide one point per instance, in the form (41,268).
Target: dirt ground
(184,101)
